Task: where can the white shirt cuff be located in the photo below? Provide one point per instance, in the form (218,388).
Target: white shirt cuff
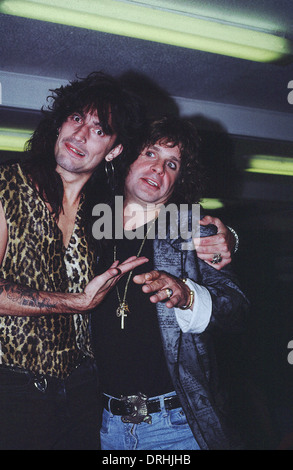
(195,320)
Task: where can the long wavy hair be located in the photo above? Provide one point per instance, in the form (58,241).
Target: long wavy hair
(97,92)
(174,131)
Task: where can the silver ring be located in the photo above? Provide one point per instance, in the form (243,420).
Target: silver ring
(169,292)
(217,258)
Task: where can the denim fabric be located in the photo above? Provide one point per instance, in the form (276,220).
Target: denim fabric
(169,431)
(62,417)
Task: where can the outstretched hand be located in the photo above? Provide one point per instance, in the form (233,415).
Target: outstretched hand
(99,287)
(222,243)
(159,283)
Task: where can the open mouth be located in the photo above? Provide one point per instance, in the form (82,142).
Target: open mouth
(74,150)
(153,183)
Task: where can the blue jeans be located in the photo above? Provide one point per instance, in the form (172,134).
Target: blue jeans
(169,431)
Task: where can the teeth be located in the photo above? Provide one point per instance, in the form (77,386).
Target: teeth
(152,183)
(76,151)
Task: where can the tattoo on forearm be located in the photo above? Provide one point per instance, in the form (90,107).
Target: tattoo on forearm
(25,296)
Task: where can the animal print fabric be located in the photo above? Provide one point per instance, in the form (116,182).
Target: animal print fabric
(36,257)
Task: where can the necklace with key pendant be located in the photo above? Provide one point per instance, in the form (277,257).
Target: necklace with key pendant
(123,308)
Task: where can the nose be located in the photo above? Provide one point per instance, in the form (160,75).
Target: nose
(158,167)
(81,133)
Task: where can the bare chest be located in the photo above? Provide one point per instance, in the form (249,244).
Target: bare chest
(66,224)
(66,221)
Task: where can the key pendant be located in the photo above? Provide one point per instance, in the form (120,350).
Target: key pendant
(122,311)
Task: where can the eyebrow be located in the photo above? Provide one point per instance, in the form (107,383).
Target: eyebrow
(97,123)
(107,129)
(94,122)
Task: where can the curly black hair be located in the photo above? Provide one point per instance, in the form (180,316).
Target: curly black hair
(119,112)
(174,131)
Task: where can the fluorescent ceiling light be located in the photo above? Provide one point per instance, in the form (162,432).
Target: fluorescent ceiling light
(13,140)
(210,203)
(148,23)
(270,165)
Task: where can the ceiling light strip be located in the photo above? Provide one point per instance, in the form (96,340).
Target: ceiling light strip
(272,165)
(13,140)
(136,21)
(211,203)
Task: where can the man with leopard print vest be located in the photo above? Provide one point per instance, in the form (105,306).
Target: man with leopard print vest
(48,384)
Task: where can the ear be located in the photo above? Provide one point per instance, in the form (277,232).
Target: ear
(114,153)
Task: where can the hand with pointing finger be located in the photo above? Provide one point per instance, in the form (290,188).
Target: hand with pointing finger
(164,288)
(98,288)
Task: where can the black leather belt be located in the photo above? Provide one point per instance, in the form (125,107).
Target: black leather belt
(125,405)
(40,381)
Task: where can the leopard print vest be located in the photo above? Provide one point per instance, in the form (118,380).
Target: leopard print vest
(36,257)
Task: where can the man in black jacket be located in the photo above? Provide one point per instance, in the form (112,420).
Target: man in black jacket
(154,344)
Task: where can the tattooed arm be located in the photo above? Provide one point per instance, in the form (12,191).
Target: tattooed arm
(24,301)
(19,300)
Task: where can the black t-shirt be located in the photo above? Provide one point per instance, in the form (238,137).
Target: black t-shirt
(130,360)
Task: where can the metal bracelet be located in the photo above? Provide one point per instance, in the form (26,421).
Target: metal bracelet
(191,293)
(236,238)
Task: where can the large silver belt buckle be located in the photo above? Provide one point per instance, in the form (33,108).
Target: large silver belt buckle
(138,409)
